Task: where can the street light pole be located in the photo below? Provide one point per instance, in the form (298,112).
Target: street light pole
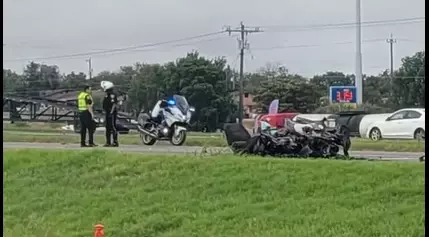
(359,79)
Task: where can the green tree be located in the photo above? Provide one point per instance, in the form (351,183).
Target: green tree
(40,77)
(331,78)
(295,93)
(145,87)
(409,82)
(12,82)
(202,82)
(74,81)
(376,89)
(271,71)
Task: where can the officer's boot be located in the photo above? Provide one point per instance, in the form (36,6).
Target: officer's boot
(108,136)
(115,139)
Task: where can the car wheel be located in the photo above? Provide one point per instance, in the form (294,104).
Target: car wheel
(375,134)
(419,134)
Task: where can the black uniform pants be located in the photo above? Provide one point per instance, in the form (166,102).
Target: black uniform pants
(111,128)
(86,124)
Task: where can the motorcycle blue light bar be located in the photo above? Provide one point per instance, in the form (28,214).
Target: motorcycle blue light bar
(171,102)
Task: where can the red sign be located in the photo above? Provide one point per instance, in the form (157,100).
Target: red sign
(344,96)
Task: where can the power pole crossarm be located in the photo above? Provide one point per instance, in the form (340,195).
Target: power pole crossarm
(244,31)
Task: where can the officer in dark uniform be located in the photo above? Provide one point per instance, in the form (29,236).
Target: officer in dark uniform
(110,103)
(86,117)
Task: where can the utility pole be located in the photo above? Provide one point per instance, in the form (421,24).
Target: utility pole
(243,44)
(89,68)
(227,77)
(359,80)
(391,41)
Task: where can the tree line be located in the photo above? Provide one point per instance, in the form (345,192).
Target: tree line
(210,85)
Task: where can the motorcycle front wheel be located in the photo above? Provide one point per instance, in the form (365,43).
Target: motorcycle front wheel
(179,139)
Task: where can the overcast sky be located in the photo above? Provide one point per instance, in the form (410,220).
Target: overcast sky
(46,28)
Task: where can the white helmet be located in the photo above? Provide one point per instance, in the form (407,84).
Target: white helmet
(105,85)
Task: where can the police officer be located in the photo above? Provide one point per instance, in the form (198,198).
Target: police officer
(86,117)
(110,103)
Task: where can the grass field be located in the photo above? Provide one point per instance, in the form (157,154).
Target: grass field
(62,193)
(134,139)
(209,141)
(32,127)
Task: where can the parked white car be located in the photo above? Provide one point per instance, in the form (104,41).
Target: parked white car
(402,124)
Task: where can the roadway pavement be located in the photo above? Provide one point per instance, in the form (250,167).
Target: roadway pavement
(70,133)
(168,149)
(60,132)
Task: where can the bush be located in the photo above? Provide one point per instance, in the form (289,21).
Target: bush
(335,108)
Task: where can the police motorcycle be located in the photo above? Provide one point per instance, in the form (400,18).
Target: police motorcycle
(167,121)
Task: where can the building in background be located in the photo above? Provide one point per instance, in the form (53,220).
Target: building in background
(249,106)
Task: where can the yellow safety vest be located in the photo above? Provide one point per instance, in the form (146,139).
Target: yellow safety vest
(81,101)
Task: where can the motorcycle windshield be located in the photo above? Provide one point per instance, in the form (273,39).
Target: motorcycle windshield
(181,103)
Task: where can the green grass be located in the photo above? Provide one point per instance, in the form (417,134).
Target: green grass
(64,193)
(358,144)
(361,144)
(215,141)
(33,127)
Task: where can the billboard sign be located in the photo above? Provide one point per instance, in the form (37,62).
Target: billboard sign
(343,94)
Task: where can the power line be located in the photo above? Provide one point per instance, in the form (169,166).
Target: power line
(314,45)
(175,45)
(133,51)
(233,65)
(291,28)
(101,52)
(243,44)
(143,49)
(410,40)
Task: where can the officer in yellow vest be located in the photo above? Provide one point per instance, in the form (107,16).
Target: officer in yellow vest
(86,116)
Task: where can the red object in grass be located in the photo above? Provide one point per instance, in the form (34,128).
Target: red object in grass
(99,230)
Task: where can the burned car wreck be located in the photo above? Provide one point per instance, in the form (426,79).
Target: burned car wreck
(299,138)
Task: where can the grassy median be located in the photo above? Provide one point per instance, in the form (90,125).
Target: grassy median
(64,193)
(358,144)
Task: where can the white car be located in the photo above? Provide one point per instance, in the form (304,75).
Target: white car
(402,124)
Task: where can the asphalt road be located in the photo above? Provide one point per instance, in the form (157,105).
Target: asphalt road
(70,133)
(60,132)
(165,148)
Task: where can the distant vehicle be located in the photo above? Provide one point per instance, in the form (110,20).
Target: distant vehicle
(402,124)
